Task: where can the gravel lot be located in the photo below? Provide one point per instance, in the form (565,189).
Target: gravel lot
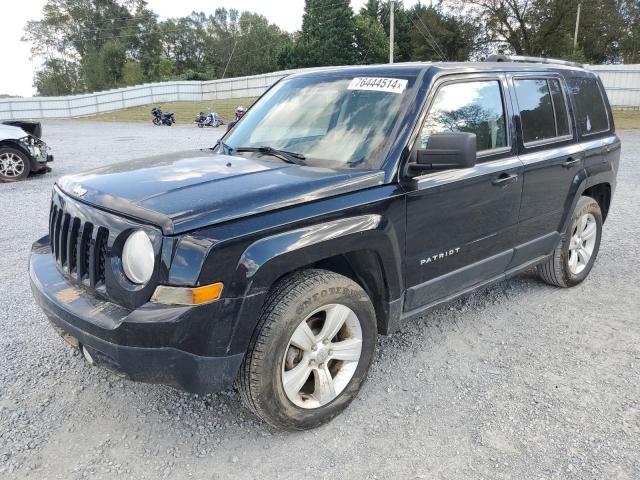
(521,381)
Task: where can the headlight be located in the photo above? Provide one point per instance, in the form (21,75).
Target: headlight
(138,257)
(28,140)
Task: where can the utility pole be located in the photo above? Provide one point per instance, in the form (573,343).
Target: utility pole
(575,34)
(391,30)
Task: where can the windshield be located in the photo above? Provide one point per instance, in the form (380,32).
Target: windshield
(334,121)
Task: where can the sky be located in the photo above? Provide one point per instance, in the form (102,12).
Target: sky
(17,68)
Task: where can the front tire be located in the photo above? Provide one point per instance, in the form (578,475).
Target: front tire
(14,165)
(311,350)
(574,257)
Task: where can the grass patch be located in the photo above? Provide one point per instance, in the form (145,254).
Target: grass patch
(184,112)
(627,119)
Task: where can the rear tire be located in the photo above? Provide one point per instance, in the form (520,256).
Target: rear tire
(574,257)
(310,352)
(15,165)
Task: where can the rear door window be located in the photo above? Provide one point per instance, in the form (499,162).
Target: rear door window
(591,114)
(474,107)
(543,109)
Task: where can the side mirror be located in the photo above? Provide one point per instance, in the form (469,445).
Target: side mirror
(446,151)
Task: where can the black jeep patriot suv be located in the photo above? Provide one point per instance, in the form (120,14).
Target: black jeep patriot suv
(346,202)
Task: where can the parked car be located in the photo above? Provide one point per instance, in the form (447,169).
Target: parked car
(22,151)
(275,259)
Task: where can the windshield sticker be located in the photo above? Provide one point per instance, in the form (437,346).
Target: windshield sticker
(378,84)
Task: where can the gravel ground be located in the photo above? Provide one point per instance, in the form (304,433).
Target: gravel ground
(521,381)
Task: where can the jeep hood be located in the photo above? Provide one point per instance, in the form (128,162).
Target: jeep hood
(189,190)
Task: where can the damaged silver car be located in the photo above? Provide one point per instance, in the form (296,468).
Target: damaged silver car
(22,151)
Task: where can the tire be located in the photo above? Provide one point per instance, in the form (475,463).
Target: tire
(567,266)
(200,125)
(157,122)
(15,165)
(308,297)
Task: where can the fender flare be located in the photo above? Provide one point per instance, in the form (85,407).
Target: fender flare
(583,180)
(265,261)
(13,143)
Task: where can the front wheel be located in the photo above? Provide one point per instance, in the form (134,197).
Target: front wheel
(573,259)
(14,165)
(157,122)
(310,352)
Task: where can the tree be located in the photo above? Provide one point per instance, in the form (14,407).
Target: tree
(371,41)
(440,36)
(85,43)
(259,44)
(630,38)
(545,27)
(327,36)
(102,68)
(57,77)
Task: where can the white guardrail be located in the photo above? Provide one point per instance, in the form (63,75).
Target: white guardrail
(622,83)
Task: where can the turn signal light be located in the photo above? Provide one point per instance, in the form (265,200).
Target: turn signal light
(187,295)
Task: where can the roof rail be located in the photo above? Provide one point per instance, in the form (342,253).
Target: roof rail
(521,58)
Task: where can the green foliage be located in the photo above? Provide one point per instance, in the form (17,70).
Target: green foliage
(132,73)
(608,31)
(327,35)
(88,45)
(58,77)
(371,40)
(439,36)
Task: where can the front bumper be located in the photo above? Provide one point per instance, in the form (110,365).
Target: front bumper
(139,344)
(39,155)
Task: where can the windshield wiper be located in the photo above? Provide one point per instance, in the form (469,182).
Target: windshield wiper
(289,157)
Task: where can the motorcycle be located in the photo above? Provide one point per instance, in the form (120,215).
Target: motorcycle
(210,120)
(160,118)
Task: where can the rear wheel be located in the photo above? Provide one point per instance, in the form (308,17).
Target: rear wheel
(573,259)
(14,165)
(311,350)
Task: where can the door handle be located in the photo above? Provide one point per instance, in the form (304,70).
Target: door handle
(505,179)
(571,161)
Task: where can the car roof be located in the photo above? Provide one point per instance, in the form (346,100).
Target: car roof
(452,67)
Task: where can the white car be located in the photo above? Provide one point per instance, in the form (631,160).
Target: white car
(22,151)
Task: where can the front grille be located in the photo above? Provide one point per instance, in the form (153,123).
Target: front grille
(80,248)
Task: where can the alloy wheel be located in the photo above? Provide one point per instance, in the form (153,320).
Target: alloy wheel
(322,356)
(11,165)
(582,243)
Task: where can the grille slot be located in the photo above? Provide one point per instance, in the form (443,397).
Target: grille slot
(79,247)
(101,253)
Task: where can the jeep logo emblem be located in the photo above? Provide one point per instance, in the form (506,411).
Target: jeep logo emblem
(79,190)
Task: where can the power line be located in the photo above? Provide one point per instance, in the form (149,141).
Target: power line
(229,61)
(428,41)
(440,51)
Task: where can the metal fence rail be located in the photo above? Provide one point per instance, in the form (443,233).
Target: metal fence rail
(622,83)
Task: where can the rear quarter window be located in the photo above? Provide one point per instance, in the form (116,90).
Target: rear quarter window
(543,112)
(591,112)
